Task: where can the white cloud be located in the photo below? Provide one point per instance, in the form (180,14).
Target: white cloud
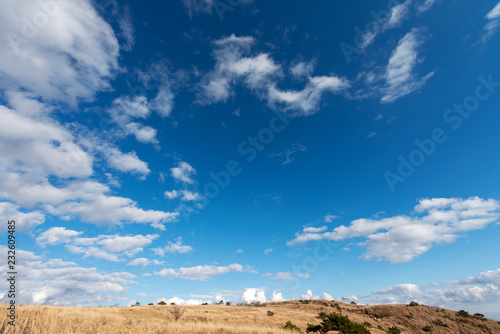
(179,301)
(198,6)
(259,74)
(57,235)
(402,238)
(309,296)
(183,172)
(480,290)
(288,275)
(185,195)
(56,282)
(493,22)
(253,295)
(68,55)
(426,5)
(302,69)
(125,109)
(307,101)
(400,77)
(399,13)
(277,297)
(174,247)
(329,218)
(128,244)
(232,67)
(268,250)
(126,162)
(314,229)
(327,296)
(289,152)
(142,261)
(200,273)
(127,29)
(25,221)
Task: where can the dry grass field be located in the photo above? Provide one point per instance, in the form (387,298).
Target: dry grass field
(235,319)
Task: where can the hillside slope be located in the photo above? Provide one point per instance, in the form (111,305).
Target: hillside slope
(212,319)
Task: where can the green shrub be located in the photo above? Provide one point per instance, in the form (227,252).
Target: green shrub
(367,324)
(270,313)
(228,303)
(204,304)
(313,328)
(413,304)
(150,304)
(172,303)
(291,327)
(337,306)
(380,327)
(304,301)
(440,323)
(353,303)
(394,330)
(427,328)
(340,323)
(410,316)
(463,313)
(479,315)
(162,303)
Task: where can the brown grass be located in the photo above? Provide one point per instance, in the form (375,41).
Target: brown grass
(213,319)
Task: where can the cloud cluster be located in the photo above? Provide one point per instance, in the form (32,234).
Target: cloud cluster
(480,289)
(201,273)
(106,247)
(62,50)
(56,282)
(260,74)
(402,238)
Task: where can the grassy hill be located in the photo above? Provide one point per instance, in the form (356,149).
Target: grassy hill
(213,319)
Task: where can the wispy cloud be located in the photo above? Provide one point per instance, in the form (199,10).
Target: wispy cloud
(402,238)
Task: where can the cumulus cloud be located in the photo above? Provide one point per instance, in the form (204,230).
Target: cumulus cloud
(200,273)
(183,172)
(107,247)
(480,289)
(184,195)
(277,297)
(70,57)
(56,282)
(253,295)
(173,247)
(123,112)
(402,238)
(25,221)
(259,73)
(309,296)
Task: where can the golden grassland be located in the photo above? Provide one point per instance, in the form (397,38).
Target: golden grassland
(214,319)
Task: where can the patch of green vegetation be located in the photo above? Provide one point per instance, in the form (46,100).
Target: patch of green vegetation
(438,322)
(427,328)
(463,313)
(380,327)
(367,324)
(413,304)
(394,330)
(291,327)
(162,303)
(337,322)
(270,313)
(479,315)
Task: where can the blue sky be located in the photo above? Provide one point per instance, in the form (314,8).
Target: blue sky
(244,151)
